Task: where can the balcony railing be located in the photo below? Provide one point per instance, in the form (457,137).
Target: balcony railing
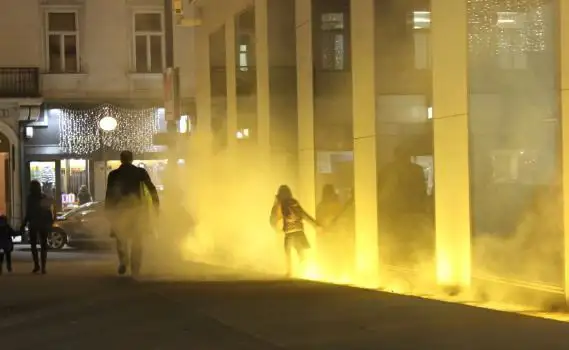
(19,82)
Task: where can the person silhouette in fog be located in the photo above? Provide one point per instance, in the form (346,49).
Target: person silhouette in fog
(129,189)
(401,203)
(40,215)
(287,210)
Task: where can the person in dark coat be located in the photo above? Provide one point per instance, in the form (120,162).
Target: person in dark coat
(40,215)
(402,209)
(129,190)
(84,196)
(6,244)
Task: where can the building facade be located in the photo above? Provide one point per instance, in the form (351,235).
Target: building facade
(475,88)
(68,67)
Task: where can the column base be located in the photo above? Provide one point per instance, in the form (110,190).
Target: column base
(454,291)
(557,306)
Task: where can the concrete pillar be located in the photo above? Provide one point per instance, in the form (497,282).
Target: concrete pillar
(450,118)
(203,84)
(563,27)
(262,66)
(231,75)
(201,143)
(364,119)
(305,92)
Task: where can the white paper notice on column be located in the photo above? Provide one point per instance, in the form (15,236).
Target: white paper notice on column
(324,162)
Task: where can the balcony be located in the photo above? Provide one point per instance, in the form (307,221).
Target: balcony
(19,82)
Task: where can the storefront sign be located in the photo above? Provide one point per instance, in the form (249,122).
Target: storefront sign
(67,198)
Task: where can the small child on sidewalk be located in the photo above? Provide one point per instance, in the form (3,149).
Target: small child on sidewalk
(6,244)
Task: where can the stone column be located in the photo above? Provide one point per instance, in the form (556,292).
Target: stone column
(231,75)
(262,66)
(305,92)
(563,27)
(203,83)
(450,118)
(201,141)
(364,119)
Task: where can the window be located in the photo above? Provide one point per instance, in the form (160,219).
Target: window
(422,39)
(243,58)
(244,50)
(62,42)
(511,53)
(148,43)
(333,41)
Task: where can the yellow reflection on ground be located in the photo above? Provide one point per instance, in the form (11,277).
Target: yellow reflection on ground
(402,281)
(313,272)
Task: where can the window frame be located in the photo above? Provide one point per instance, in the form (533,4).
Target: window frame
(61,35)
(148,35)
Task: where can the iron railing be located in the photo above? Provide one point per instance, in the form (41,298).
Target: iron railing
(19,82)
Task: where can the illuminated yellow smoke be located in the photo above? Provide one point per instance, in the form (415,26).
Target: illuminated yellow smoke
(231,202)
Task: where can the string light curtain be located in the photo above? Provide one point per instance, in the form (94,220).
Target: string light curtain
(80,133)
(517,26)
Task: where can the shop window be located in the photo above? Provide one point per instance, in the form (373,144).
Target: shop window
(62,42)
(504,166)
(74,183)
(148,42)
(44,173)
(333,52)
(510,38)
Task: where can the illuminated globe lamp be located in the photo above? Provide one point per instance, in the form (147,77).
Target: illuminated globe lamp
(108,123)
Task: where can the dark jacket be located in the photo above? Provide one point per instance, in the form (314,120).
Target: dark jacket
(402,189)
(125,184)
(39,211)
(84,197)
(6,234)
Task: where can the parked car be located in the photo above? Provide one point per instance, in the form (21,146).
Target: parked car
(83,226)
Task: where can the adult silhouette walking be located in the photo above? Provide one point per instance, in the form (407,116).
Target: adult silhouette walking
(40,215)
(129,189)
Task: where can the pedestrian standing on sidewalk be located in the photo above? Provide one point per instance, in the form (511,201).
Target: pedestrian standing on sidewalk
(40,215)
(287,210)
(6,244)
(130,202)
